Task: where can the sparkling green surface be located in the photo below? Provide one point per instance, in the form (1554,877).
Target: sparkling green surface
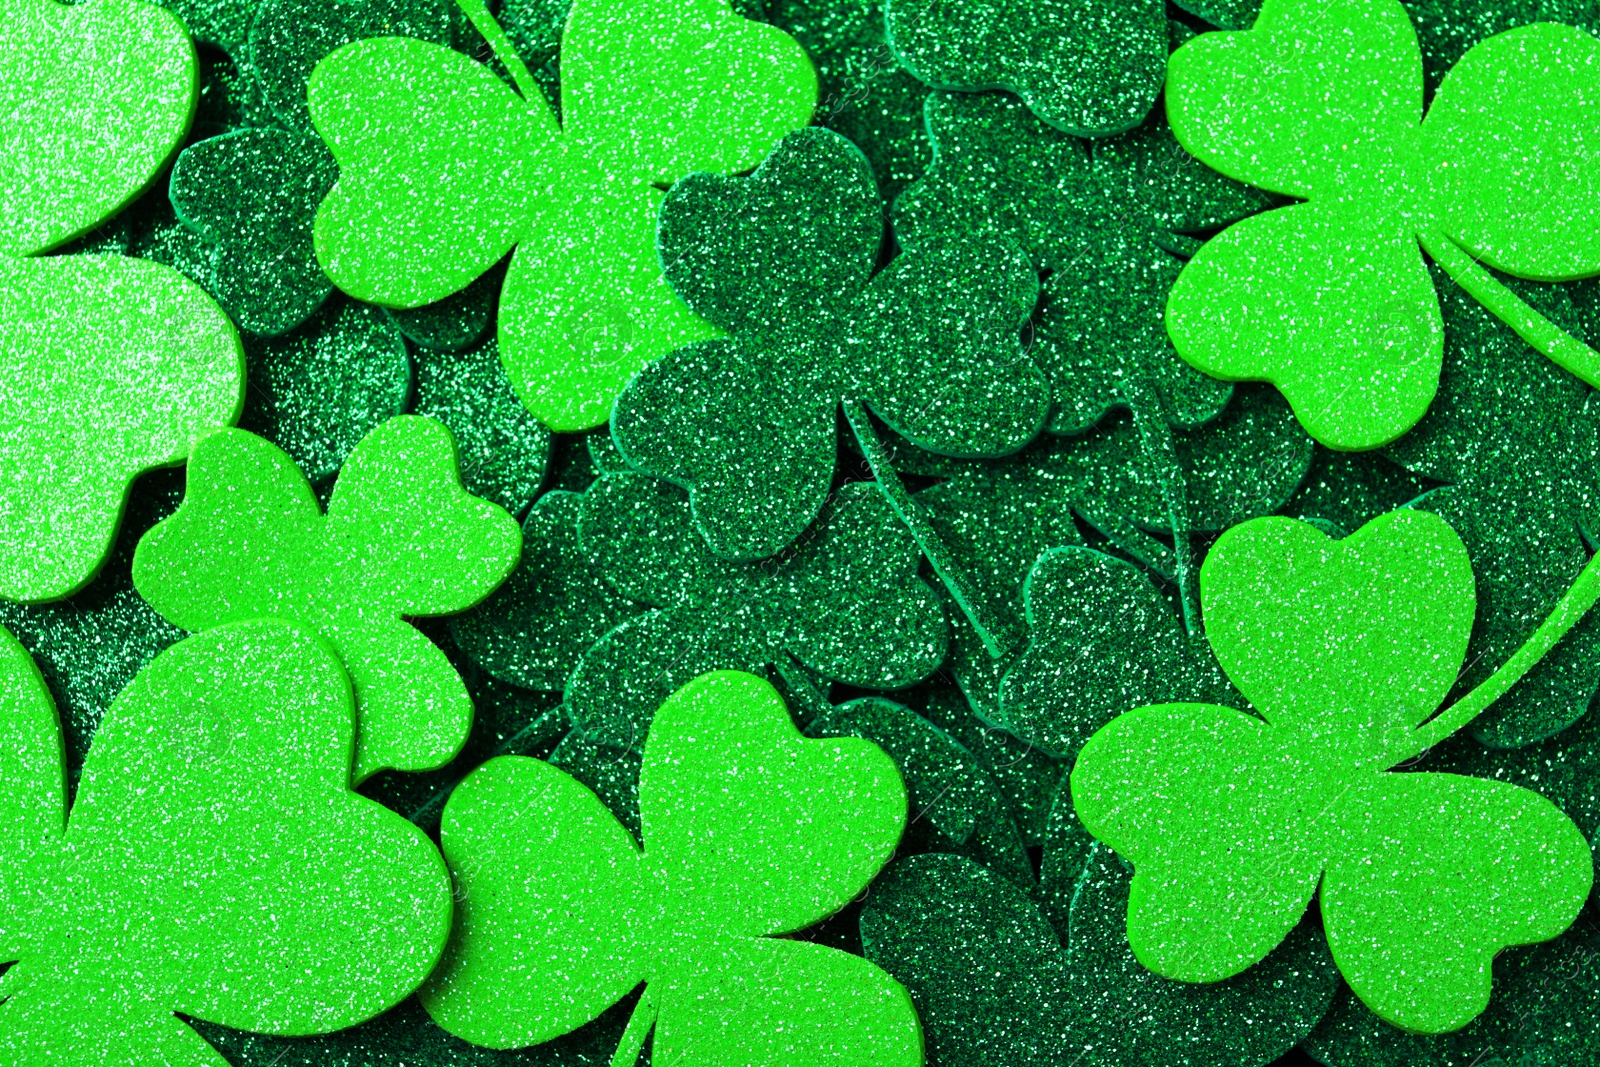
(1345,648)
(215,862)
(748,830)
(783,262)
(1330,299)
(650,92)
(400,538)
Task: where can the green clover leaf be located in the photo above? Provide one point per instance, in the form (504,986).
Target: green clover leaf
(1089,69)
(783,261)
(1232,821)
(400,538)
(1330,300)
(215,861)
(650,92)
(845,601)
(748,831)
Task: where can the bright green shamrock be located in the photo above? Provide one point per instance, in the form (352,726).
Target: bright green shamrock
(215,862)
(1330,299)
(443,169)
(108,366)
(1088,67)
(748,831)
(785,261)
(400,538)
(1345,649)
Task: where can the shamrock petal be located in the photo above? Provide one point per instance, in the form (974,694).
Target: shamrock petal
(96,98)
(1436,874)
(112,366)
(401,538)
(1524,202)
(584,306)
(656,90)
(1312,89)
(1090,69)
(390,107)
(1332,304)
(234,876)
(547,937)
(799,829)
(771,1003)
(33,803)
(1220,821)
(1322,635)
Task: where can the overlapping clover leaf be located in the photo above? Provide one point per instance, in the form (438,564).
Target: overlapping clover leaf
(650,91)
(214,863)
(400,538)
(108,366)
(748,831)
(783,261)
(845,601)
(1231,821)
(1330,299)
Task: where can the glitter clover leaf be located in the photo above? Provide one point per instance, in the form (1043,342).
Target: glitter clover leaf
(649,92)
(215,861)
(749,830)
(400,538)
(845,602)
(1087,67)
(783,261)
(1330,299)
(1345,649)
(108,366)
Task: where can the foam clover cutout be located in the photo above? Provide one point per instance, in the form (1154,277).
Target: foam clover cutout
(214,863)
(1100,218)
(845,602)
(649,92)
(783,261)
(1089,69)
(1330,299)
(1517,441)
(400,538)
(1345,649)
(748,831)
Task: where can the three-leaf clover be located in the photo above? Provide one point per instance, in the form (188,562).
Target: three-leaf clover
(400,538)
(1330,299)
(783,261)
(1231,821)
(443,169)
(845,601)
(215,861)
(748,831)
(108,366)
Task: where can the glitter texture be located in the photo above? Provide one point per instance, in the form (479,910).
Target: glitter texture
(845,601)
(748,830)
(400,537)
(783,262)
(215,861)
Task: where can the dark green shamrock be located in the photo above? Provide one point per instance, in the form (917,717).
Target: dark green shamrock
(1344,491)
(864,92)
(783,262)
(1001,981)
(845,601)
(1087,67)
(556,605)
(1517,439)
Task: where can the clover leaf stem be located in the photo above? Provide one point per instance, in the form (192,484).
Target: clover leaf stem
(1573,606)
(1566,351)
(922,531)
(477,13)
(639,1024)
(1155,434)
